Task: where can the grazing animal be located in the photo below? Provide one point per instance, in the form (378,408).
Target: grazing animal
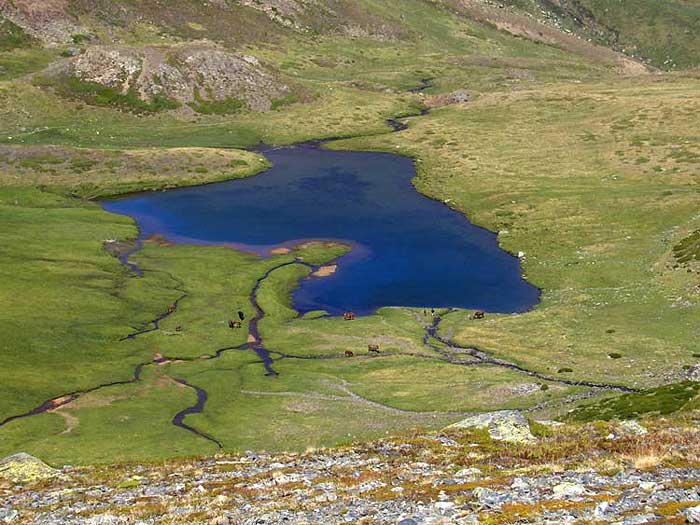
(349,316)
(236,324)
(479,314)
(172,308)
(178,328)
(231,323)
(348,353)
(373,348)
(241,315)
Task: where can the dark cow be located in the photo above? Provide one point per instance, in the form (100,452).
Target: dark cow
(373,348)
(178,328)
(479,314)
(241,315)
(172,308)
(349,316)
(348,353)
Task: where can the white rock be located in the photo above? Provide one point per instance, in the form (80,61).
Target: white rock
(470,473)
(601,510)
(568,490)
(692,514)
(443,506)
(9,516)
(648,486)
(633,427)
(104,519)
(505,425)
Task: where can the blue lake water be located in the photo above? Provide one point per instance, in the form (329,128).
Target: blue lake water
(408,250)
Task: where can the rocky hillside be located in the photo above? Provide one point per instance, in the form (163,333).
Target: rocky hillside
(662,33)
(234,22)
(205,78)
(490,469)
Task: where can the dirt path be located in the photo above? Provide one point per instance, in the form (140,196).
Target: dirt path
(353,397)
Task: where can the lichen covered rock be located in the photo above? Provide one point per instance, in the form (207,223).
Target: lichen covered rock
(507,425)
(23,468)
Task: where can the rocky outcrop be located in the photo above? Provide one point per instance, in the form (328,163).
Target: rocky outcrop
(23,468)
(448,99)
(45,20)
(289,13)
(194,75)
(507,425)
(449,478)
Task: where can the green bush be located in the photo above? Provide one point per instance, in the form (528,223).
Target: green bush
(662,400)
(12,36)
(226,106)
(99,95)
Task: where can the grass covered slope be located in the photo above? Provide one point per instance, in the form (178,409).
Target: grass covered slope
(662,33)
(596,207)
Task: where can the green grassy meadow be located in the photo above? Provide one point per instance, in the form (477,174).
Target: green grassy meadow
(592,173)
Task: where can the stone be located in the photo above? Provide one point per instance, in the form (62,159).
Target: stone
(9,516)
(468,473)
(693,373)
(601,510)
(632,427)
(649,486)
(505,425)
(23,468)
(692,514)
(568,490)
(639,519)
(104,519)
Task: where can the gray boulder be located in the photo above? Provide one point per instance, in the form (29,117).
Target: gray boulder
(506,425)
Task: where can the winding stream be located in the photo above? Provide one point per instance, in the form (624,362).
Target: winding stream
(407,250)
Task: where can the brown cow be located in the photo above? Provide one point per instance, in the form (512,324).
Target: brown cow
(178,328)
(373,348)
(349,316)
(348,353)
(479,314)
(172,308)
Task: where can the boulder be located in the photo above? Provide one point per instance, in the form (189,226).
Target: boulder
(639,519)
(692,514)
(23,468)
(631,427)
(506,425)
(693,373)
(567,491)
(105,519)
(9,516)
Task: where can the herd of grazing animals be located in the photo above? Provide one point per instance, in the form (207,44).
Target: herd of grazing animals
(347,316)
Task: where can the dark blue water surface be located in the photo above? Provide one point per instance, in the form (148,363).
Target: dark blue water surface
(408,250)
